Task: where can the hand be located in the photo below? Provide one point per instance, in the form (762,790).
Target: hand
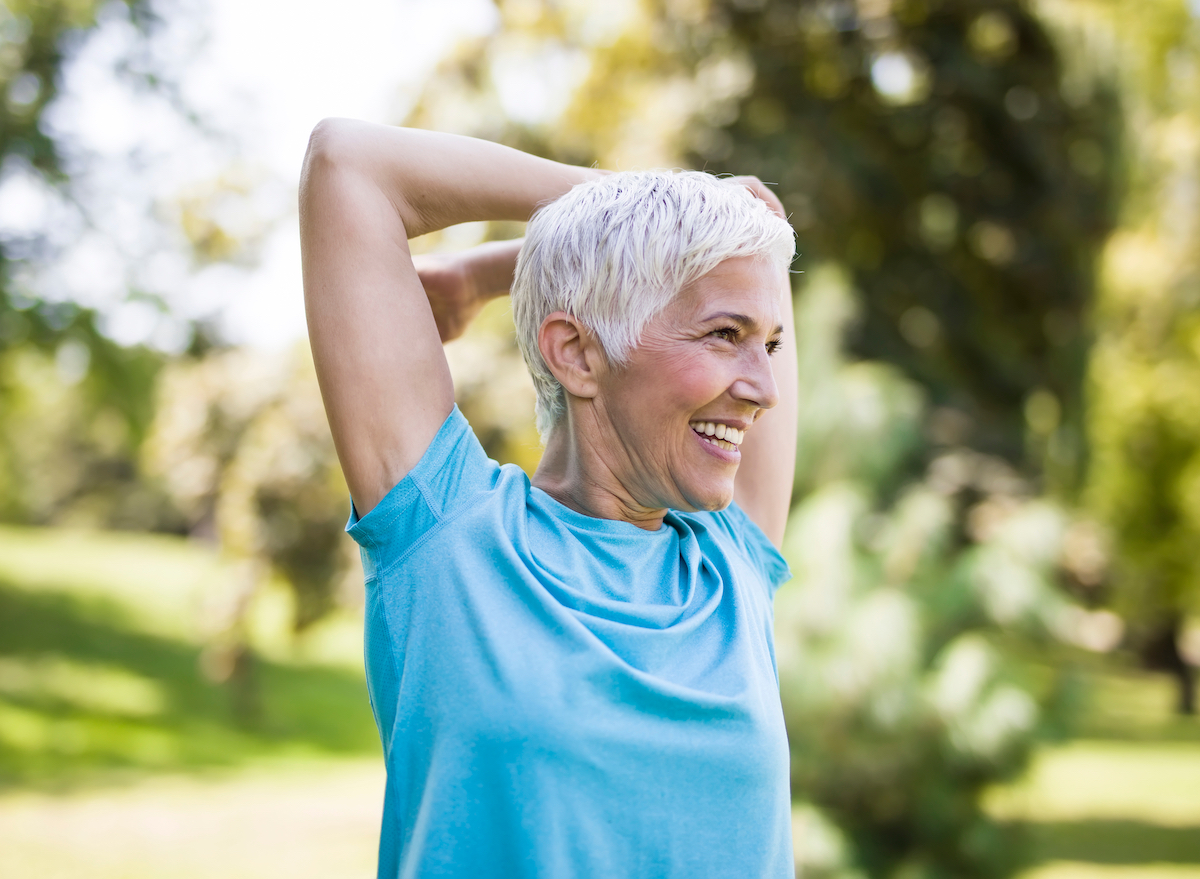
(759,188)
(453,295)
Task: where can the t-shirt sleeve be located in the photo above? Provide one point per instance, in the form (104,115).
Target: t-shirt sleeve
(453,470)
(754,544)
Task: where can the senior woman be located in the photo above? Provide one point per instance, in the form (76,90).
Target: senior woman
(573,675)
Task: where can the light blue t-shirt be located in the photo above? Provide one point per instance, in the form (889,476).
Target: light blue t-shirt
(562,696)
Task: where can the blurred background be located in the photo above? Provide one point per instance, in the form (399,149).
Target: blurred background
(988,653)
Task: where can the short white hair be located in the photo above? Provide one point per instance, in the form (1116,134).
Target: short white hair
(615,251)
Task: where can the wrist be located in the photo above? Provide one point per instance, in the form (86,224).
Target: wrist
(490,267)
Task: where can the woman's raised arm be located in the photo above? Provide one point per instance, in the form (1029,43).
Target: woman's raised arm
(763,487)
(364,191)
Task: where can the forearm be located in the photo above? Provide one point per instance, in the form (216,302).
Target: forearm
(458,285)
(763,487)
(490,266)
(434,180)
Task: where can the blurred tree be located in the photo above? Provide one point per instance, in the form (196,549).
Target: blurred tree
(101,392)
(36,38)
(66,455)
(241,443)
(931,149)
(240,440)
(80,462)
(896,640)
(1144,422)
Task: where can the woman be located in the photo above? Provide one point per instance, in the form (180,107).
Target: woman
(572,675)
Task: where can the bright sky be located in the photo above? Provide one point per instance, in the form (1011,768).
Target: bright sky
(293,64)
(260,72)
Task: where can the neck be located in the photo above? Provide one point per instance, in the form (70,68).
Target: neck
(578,473)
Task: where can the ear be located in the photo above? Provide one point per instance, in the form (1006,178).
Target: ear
(572,353)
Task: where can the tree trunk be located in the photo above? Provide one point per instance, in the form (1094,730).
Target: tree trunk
(1161,651)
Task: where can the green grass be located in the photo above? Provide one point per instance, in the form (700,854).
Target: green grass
(153,582)
(1110,806)
(100,668)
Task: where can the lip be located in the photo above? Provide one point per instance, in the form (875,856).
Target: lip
(725,455)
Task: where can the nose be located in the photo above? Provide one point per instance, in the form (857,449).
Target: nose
(756,384)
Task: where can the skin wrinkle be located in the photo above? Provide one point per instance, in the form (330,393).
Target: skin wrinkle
(626,449)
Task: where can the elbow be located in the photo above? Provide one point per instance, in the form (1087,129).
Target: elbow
(329,144)
(333,149)
(330,150)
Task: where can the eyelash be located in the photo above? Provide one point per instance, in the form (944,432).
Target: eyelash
(730,334)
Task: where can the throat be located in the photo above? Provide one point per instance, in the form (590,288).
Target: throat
(582,481)
(604,506)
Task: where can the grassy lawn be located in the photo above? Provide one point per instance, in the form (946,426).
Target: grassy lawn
(112,738)
(307,819)
(1109,809)
(100,668)
(1122,801)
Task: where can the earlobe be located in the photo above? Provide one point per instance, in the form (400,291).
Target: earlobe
(570,352)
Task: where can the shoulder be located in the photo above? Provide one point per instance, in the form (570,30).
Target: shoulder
(736,532)
(453,477)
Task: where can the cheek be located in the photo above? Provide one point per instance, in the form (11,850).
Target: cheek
(670,394)
(696,382)
(672,384)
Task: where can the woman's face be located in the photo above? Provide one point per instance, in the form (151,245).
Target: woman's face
(703,361)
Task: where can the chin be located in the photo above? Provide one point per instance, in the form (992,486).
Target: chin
(708,501)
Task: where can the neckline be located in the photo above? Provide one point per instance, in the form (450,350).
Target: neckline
(617,527)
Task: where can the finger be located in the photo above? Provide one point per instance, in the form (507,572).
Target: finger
(759,189)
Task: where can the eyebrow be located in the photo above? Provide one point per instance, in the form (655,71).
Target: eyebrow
(743,319)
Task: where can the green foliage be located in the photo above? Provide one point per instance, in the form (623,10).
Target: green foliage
(69,443)
(77,459)
(1145,372)
(933,150)
(493,389)
(242,445)
(37,36)
(899,640)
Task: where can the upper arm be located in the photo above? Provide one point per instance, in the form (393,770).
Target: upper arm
(379,359)
(763,486)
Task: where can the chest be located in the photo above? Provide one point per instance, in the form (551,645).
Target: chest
(530,670)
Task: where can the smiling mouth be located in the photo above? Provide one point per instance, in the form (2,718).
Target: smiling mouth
(720,435)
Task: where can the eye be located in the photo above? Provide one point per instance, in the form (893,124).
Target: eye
(774,346)
(729,334)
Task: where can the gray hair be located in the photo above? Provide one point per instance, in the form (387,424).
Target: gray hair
(615,251)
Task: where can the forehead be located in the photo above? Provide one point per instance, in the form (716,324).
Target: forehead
(746,286)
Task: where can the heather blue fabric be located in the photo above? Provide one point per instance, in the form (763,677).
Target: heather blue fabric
(562,696)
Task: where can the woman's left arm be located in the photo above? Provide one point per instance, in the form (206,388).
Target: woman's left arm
(458,285)
(763,487)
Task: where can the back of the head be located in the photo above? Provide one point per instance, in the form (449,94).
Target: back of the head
(614,252)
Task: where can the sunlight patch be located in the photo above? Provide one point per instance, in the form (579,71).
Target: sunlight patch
(102,689)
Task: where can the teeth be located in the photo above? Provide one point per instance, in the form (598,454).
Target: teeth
(719,434)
